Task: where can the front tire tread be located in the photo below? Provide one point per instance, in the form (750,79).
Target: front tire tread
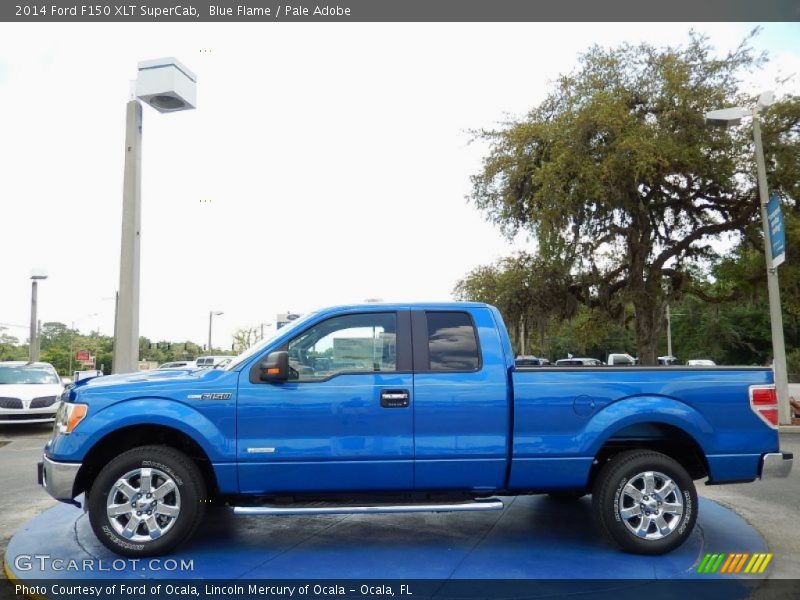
(192,490)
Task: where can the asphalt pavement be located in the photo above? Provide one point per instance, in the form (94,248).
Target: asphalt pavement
(21,498)
(771,506)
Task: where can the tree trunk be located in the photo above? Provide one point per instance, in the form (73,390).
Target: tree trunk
(648,329)
(646,291)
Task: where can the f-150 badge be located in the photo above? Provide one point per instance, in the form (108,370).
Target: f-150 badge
(217,396)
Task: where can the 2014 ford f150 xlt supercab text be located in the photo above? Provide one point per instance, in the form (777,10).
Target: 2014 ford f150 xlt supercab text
(405,408)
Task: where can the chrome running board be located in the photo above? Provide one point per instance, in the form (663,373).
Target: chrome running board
(477,505)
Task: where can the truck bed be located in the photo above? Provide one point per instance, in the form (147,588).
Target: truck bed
(564,415)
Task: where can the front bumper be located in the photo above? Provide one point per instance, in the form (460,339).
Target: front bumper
(58,478)
(776,464)
(24,416)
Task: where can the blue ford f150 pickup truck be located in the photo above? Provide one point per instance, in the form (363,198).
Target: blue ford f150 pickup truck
(405,408)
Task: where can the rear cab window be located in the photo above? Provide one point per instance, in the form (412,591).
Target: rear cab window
(452,342)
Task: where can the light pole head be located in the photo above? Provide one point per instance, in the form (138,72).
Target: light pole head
(726,117)
(217,313)
(766,99)
(166,85)
(38,274)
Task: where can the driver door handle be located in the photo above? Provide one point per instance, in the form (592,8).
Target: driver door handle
(394,398)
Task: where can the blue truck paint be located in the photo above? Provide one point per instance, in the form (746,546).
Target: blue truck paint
(494,429)
(458,447)
(326,436)
(456,435)
(149,399)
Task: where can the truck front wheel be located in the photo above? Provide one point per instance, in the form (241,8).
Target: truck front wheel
(147,501)
(645,501)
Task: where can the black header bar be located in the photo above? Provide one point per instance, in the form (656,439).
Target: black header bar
(400,10)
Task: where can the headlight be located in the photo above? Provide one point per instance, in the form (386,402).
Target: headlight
(68,417)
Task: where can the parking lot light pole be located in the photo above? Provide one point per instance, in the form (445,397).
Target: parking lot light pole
(168,86)
(211,315)
(33,348)
(669,333)
(729,117)
(126,328)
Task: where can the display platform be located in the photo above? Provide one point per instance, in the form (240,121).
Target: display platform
(534,537)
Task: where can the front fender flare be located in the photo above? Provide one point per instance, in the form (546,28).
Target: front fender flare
(145,411)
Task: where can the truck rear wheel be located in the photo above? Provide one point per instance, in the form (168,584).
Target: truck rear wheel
(645,501)
(147,501)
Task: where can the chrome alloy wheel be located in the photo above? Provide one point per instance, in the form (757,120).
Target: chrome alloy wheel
(651,505)
(143,504)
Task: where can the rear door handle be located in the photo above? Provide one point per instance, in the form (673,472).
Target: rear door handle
(394,398)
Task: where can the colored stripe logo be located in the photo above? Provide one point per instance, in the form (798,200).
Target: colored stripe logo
(734,562)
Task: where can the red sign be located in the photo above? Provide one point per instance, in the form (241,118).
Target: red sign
(83,355)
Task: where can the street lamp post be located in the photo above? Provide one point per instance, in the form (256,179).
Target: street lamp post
(33,349)
(669,333)
(729,117)
(211,315)
(168,86)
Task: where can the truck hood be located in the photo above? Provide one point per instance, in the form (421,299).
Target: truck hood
(180,386)
(157,378)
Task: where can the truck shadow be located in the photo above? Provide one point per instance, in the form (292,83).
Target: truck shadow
(511,543)
(533,537)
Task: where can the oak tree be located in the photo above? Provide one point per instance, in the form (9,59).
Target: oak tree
(616,174)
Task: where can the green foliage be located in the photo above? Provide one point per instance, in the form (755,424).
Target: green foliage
(528,290)
(617,176)
(725,317)
(59,345)
(10,349)
(733,333)
(166,351)
(735,323)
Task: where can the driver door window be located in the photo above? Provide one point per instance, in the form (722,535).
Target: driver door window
(361,343)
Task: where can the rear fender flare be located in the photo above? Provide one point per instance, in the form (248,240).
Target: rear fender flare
(635,410)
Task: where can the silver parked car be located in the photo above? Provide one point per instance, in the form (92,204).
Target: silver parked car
(178,364)
(579,362)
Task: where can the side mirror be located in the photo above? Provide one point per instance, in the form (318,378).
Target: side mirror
(276,367)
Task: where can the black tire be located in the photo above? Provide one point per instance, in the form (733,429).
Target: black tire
(187,498)
(612,494)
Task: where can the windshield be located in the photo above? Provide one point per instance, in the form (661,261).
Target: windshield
(255,349)
(27,374)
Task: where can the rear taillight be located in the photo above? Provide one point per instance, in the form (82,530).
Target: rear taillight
(764,402)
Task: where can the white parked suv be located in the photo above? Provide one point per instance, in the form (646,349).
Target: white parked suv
(701,362)
(29,392)
(621,360)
